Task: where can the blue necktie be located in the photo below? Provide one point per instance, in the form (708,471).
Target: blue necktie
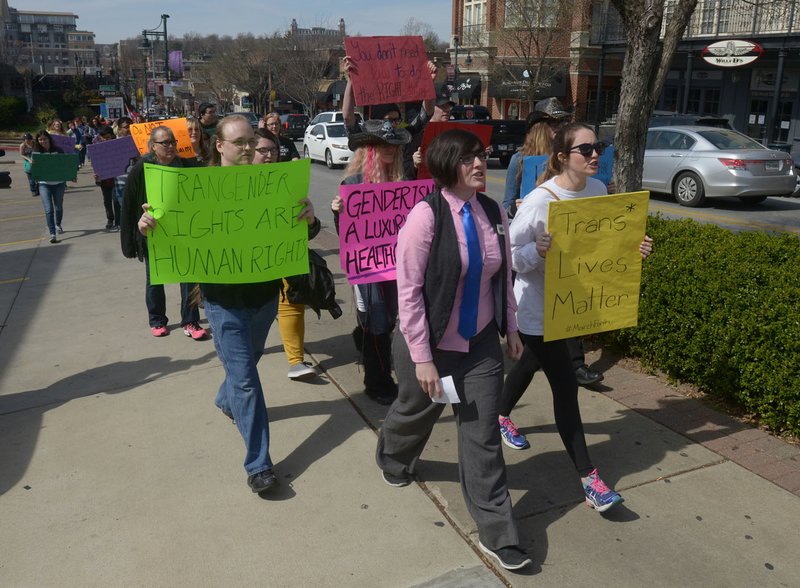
(468,313)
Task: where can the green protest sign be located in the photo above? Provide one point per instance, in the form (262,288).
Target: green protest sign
(227,225)
(54,167)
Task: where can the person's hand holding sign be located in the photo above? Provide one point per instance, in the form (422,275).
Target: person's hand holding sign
(646,247)
(543,242)
(307,212)
(147,222)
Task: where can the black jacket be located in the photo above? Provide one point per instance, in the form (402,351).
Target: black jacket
(132,241)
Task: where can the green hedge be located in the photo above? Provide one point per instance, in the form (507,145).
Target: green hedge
(722,310)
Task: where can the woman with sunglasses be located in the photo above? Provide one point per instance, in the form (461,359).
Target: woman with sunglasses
(163,151)
(454,293)
(291,317)
(574,160)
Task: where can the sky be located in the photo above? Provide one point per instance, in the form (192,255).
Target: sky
(111,21)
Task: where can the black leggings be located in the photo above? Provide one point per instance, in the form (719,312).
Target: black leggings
(555,359)
(521,375)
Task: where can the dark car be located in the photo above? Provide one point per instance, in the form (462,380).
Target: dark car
(293,126)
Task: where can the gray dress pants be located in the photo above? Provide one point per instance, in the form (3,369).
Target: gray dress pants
(478,377)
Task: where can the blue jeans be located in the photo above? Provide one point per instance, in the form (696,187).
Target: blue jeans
(156,302)
(52,196)
(239,338)
(34,185)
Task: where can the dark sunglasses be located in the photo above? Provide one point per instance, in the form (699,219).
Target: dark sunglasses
(586,149)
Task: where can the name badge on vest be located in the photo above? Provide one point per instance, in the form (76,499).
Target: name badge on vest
(501,230)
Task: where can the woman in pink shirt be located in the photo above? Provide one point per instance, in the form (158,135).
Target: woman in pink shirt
(454,299)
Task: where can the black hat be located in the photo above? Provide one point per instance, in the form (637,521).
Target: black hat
(381,110)
(538,116)
(443,95)
(552,106)
(27,136)
(378,132)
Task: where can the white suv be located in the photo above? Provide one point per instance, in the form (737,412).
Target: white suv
(331,116)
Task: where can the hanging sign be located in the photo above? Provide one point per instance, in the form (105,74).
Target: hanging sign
(732,53)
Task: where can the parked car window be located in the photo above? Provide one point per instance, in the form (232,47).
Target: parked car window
(318,130)
(724,140)
(668,140)
(337,131)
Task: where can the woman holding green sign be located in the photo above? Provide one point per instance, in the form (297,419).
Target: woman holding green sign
(573,161)
(51,193)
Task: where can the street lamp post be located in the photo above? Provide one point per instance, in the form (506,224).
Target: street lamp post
(147,34)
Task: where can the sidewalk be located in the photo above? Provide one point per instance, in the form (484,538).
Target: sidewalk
(117,469)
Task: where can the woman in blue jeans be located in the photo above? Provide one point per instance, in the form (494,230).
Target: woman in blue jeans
(51,193)
(240,316)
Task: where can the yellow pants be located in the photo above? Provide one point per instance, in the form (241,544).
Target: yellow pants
(292,325)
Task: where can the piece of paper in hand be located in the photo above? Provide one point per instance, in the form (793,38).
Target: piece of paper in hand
(449,394)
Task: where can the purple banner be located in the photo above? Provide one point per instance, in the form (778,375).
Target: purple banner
(176,62)
(110,158)
(369,220)
(64,142)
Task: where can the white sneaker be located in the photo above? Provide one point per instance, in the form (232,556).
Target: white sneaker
(301,370)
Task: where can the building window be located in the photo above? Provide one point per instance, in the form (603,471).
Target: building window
(711,102)
(707,17)
(474,12)
(531,13)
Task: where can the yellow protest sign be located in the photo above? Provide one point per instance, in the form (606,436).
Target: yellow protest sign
(593,268)
(227,225)
(141,134)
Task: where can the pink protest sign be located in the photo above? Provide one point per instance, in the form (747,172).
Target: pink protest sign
(390,69)
(370,218)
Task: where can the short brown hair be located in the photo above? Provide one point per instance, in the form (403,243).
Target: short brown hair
(445,151)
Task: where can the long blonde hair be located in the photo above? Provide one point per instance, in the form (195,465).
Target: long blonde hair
(367,162)
(205,147)
(537,142)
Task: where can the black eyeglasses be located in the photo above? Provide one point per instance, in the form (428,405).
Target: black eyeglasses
(470,158)
(586,149)
(166,143)
(265,150)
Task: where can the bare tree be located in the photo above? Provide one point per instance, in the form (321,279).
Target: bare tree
(424,30)
(300,69)
(532,47)
(647,61)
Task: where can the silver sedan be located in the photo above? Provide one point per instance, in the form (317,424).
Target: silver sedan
(694,163)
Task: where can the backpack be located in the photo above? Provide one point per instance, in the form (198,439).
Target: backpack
(316,289)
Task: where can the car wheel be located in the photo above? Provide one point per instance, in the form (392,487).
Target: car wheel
(688,190)
(505,160)
(306,154)
(796,193)
(329,159)
(752,199)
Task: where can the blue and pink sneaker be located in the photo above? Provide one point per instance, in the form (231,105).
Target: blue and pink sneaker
(599,496)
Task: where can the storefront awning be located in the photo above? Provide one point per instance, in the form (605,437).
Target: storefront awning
(514,81)
(468,88)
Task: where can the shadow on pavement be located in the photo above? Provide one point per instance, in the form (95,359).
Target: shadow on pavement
(27,409)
